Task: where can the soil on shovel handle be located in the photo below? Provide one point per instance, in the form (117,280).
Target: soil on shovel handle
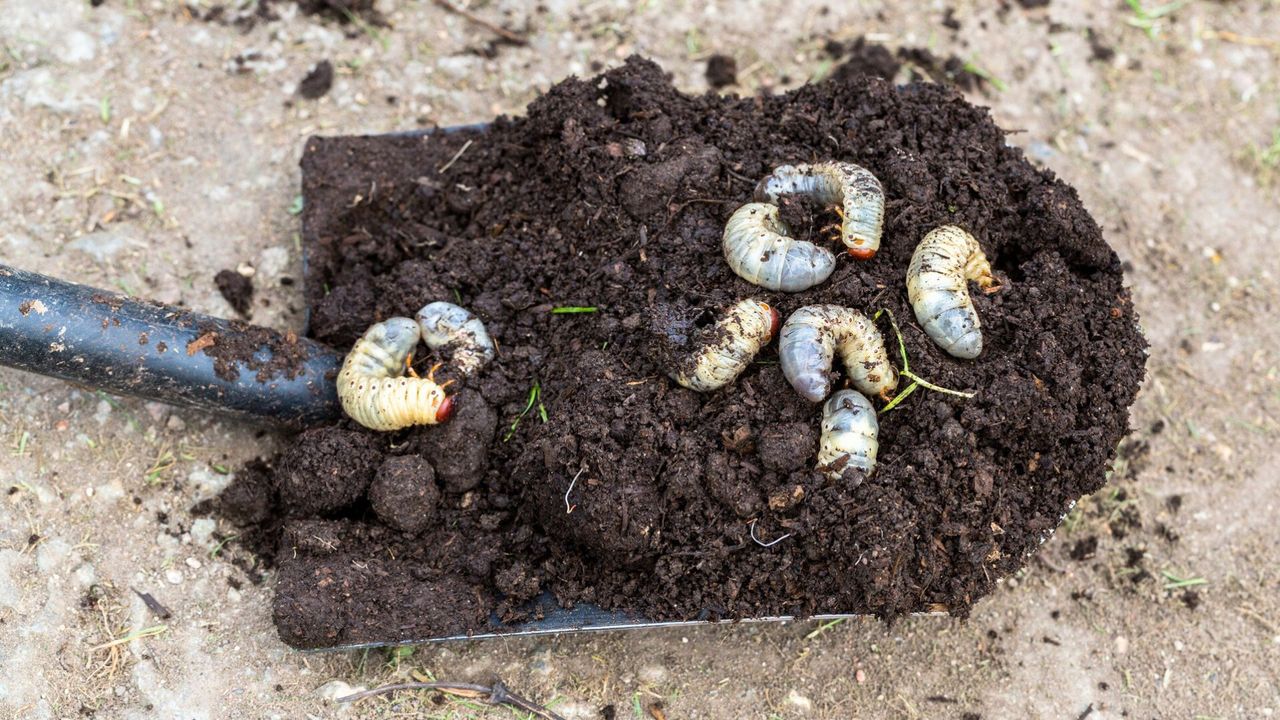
(587,236)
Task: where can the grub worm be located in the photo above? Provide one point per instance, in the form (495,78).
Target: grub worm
(372,387)
(856,194)
(810,339)
(937,285)
(730,346)
(849,430)
(445,325)
(758,247)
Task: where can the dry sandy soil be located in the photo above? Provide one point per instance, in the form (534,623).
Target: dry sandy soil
(145,148)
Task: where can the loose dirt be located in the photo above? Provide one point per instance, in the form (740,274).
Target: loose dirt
(575,466)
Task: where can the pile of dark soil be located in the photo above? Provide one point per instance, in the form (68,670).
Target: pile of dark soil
(574,466)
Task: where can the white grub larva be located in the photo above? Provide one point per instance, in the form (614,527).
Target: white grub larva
(445,325)
(372,387)
(758,247)
(849,430)
(810,339)
(855,193)
(937,285)
(730,346)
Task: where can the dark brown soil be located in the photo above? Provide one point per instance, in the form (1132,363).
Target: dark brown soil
(722,71)
(285,357)
(611,484)
(865,58)
(236,289)
(317,82)
(860,58)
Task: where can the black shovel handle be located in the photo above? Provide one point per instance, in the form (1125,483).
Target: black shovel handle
(108,341)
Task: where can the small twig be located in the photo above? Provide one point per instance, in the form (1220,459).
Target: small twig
(695,201)
(1250,612)
(498,694)
(760,542)
(455,157)
(917,381)
(148,632)
(900,397)
(505,34)
(936,388)
(535,394)
(1228,36)
(567,507)
(1043,557)
(823,628)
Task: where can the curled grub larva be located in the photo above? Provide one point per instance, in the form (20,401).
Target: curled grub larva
(729,348)
(372,387)
(937,285)
(810,339)
(849,430)
(446,325)
(855,193)
(758,247)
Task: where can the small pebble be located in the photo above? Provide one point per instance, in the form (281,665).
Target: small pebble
(202,530)
(653,674)
(157,410)
(193,563)
(1122,645)
(801,703)
(174,576)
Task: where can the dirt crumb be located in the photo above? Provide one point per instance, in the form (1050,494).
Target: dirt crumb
(237,290)
(722,71)
(317,82)
(460,447)
(861,58)
(404,493)
(327,469)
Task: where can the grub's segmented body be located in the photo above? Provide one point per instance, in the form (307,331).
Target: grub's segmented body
(730,346)
(373,389)
(810,339)
(445,325)
(849,430)
(758,247)
(937,285)
(851,188)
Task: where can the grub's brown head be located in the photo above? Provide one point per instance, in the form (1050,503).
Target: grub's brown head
(775,320)
(861,253)
(446,410)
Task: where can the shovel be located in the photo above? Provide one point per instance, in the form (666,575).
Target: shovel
(107,341)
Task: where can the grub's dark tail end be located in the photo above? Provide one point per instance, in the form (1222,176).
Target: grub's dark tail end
(104,340)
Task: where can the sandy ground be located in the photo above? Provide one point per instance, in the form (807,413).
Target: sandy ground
(140,155)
